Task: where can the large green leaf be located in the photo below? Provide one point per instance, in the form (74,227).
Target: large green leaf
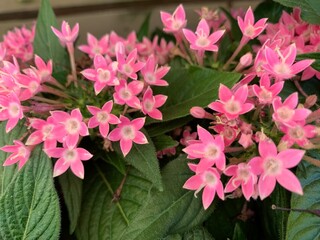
(143,157)
(192,86)
(310,9)
(270,10)
(101,216)
(71,187)
(175,210)
(199,233)
(303,225)
(46,44)
(29,206)
(144,28)
(162,142)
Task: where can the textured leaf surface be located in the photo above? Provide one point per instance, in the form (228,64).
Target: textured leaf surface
(143,157)
(46,44)
(71,187)
(193,86)
(103,218)
(310,9)
(164,141)
(175,210)
(29,206)
(303,225)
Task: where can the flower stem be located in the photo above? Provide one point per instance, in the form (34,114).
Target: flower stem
(311,160)
(244,41)
(72,63)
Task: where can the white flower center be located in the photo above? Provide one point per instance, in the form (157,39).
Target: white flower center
(272,166)
(285,113)
(14,110)
(128,132)
(103,75)
(210,178)
(72,126)
(102,117)
(70,155)
(211,152)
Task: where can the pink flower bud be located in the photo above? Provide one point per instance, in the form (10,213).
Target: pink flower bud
(246,59)
(197,112)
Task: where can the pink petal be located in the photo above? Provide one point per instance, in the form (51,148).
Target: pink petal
(249,17)
(203,26)
(125,146)
(104,130)
(60,167)
(301,114)
(208,196)
(140,138)
(290,54)
(248,188)
(138,122)
(100,62)
(203,165)
(219,189)
(90,74)
(115,135)
(289,181)
(300,66)
(290,157)
(155,114)
(231,170)
(193,183)
(84,154)
(271,57)
(266,185)
(108,106)
(241,94)
(231,186)
(256,165)
(224,93)
(78,169)
(204,135)
(267,148)
(214,37)
(291,101)
(190,36)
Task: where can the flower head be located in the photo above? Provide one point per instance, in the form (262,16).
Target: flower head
(20,153)
(174,23)
(66,35)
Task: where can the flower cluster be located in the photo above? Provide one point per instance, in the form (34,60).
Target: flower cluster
(258,133)
(123,72)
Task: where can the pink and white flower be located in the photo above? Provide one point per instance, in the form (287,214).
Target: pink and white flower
(20,153)
(150,104)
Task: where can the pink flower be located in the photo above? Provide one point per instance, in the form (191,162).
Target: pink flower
(280,63)
(187,136)
(128,65)
(266,93)
(42,69)
(273,167)
(286,114)
(241,175)
(127,132)
(247,26)
(20,153)
(175,22)
(69,127)
(11,110)
(232,104)
(102,75)
(299,134)
(67,35)
(209,149)
(127,93)
(44,132)
(150,104)
(209,181)
(69,157)
(95,46)
(102,117)
(153,75)
(202,40)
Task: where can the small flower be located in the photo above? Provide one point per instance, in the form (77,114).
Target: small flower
(103,74)
(202,40)
(232,104)
(95,46)
(11,110)
(286,114)
(127,93)
(241,175)
(280,63)
(153,75)
(102,118)
(69,127)
(69,157)
(20,153)
(127,132)
(66,35)
(209,181)
(209,149)
(150,104)
(247,26)
(273,167)
(174,23)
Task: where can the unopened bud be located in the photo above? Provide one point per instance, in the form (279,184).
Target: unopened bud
(310,101)
(246,59)
(199,112)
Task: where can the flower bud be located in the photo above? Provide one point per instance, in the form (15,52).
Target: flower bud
(310,101)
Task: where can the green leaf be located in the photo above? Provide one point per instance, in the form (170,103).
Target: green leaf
(310,9)
(116,160)
(143,157)
(238,233)
(8,174)
(303,225)
(193,86)
(175,210)
(29,207)
(157,129)
(164,141)
(315,56)
(46,44)
(71,187)
(144,29)
(199,233)
(270,10)
(103,218)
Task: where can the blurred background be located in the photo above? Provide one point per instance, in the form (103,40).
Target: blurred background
(101,16)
